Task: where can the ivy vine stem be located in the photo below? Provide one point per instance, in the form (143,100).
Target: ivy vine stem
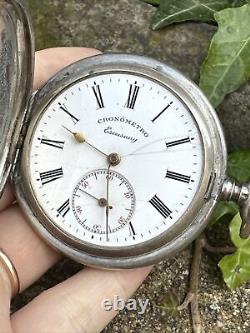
(192,296)
(218,249)
(200,244)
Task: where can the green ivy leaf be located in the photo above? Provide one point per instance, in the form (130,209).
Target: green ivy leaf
(172,11)
(223,209)
(236,267)
(227,66)
(239,165)
(238,169)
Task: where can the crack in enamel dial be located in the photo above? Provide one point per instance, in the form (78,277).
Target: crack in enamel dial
(160,152)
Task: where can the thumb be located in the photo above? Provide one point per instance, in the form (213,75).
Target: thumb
(49,61)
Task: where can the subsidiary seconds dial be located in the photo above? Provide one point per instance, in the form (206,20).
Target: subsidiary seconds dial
(103,201)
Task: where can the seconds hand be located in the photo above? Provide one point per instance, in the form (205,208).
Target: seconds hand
(107,207)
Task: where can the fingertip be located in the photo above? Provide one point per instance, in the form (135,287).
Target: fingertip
(50,61)
(7,198)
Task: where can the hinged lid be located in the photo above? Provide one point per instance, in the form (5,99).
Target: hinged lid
(16,78)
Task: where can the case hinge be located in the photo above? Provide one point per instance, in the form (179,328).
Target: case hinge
(21,138)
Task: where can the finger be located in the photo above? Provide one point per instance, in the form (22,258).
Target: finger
(76,304)
(7,198)
(48,62)
(5,295)
(31,256)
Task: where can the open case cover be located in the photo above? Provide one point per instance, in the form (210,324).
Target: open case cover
(16,78)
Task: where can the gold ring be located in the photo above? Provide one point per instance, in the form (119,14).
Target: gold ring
(11,271)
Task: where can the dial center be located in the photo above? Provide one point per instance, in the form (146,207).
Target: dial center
(114,159)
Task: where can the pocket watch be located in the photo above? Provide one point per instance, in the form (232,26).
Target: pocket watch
(117,161)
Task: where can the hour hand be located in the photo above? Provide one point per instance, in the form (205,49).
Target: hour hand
(112,159)
(81,138)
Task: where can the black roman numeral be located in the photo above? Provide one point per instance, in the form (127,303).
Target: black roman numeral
(131,229)
(52,143)
(159,114)
(64,209)
(178,176)
(177,142)
(50,176)
(160,206)
(132,96)
(64,109)
(98,96)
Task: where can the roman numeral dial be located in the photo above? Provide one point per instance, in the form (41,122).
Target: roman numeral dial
(162,111)
(52,143)
(160,206)
(50,176)
(132,96)
(160,158)
(64,209)
(131,229)
(98,95)
(178,176)
(65,109)
(178,142)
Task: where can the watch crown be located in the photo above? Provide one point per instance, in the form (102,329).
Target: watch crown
(232,191)
(239,193)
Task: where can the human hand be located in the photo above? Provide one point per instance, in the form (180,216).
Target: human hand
(75,304)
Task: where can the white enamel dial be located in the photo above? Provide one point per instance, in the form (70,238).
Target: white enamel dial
(161,159)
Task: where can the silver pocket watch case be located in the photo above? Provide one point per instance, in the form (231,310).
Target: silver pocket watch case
(19,110)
